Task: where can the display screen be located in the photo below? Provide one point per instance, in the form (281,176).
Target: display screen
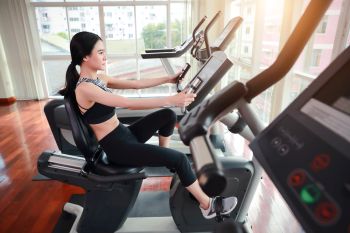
(330,106)
(207,71)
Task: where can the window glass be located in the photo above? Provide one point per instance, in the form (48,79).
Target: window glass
(241,47)
(317,55)
(53,30)
(120,29)
(83,19)
(46,0)
(55,73)
(153,68)
(178,25)
(271,32)
(122,69)
(151,27)
(81,0)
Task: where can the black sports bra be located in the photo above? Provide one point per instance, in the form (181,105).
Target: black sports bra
(98,113)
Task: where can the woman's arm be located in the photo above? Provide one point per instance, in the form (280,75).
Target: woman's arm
(92,93)
(116,83)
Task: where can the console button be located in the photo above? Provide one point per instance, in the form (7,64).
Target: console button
(276,141)
(320,162)
(283,149)
(326,212)
(297,178)
(310,194)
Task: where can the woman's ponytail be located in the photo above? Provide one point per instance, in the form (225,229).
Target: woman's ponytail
(72,77)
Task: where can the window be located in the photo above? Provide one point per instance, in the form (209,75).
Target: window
(119,43)
(256,45)
(151,32)
(91,23)
(46,28)
(129,28)
(318,53)
(246,49)
(316,56)
(323,25)
(73,19)
(54,39)
(249,10)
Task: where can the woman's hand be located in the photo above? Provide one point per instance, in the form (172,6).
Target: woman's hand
(182,99)
(173,78)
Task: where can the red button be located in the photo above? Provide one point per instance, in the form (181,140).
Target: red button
(320,162)
(297,178)
(326,211)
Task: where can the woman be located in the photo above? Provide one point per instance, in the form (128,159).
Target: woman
(125,145)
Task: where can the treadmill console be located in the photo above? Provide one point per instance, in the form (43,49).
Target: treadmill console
(306,151)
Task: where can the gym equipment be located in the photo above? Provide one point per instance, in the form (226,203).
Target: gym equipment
(305,151)
(214,172)
(110,191)
(181,76)
(164,54)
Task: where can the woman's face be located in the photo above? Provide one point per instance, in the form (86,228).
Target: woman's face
(97,59)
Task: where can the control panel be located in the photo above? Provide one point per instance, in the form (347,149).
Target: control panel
(306,151)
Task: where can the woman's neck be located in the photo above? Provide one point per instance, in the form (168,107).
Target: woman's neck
(88,73)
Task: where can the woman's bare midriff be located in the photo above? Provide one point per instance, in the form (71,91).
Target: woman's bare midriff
(104,128)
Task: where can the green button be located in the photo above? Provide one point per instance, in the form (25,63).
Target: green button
(310,194)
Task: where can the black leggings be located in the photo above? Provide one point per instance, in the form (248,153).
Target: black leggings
(125,145)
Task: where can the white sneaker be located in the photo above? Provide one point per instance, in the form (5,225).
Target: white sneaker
(222,205)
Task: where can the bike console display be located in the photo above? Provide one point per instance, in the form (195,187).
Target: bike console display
(306,151)
(208,76)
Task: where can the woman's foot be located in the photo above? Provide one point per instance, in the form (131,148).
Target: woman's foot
(219,204)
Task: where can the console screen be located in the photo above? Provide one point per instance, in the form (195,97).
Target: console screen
(330,106)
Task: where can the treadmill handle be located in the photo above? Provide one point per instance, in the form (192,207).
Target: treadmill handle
(206,30)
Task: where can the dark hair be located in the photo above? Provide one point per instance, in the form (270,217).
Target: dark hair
(81,45)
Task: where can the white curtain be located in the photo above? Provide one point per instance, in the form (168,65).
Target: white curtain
(22,48)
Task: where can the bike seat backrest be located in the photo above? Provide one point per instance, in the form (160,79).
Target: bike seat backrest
(58,121)
(83,135)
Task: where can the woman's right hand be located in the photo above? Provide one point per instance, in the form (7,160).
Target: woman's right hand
(182,99)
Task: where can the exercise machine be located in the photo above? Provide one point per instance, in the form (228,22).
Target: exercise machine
(305,152)
(218,174)
(164,54)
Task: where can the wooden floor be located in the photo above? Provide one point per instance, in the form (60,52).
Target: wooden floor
(34,206)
